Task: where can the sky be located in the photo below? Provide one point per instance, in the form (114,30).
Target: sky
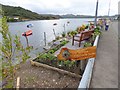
(62,7)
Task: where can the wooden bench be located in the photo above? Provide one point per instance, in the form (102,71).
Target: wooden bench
(85,35)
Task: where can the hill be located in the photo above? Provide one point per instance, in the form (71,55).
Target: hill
(76,16)
(24,14)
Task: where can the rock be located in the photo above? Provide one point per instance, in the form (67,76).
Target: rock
(33,85)
(56,43)
(46,47)
(53,80)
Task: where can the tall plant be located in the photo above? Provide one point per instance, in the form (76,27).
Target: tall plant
(11,48)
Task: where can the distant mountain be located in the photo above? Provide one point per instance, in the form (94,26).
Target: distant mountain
(76,16)
(25,14)
(21,14)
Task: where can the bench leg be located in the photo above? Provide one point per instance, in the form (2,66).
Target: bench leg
(73,41)
(79,44)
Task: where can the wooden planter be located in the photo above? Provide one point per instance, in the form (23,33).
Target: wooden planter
(34,63)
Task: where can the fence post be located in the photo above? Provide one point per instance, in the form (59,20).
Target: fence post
(45,38)
(82,65)
(54,33)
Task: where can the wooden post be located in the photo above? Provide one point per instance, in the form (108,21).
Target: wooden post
(18,83)
(64,28)
(54,33)
(82,65)
(27,41)
(45,38)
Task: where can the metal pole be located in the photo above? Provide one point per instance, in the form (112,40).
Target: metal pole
(109,8)
(96,12)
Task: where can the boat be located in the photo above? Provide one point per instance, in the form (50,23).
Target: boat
(27,33)
(68,22)
(55,24)
(29,25)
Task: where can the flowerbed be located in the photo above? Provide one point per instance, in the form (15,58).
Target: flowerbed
(49,59)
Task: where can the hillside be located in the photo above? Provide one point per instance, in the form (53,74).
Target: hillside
(76,16)
(22,13)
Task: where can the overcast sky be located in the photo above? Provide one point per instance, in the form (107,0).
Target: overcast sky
(81,7)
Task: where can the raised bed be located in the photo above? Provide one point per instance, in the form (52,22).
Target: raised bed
(49,61)
(34,63)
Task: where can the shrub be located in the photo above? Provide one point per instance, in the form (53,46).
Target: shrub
(47,56)
(58,37)
(63,34)
(63,42)
(87,44)
(73,33)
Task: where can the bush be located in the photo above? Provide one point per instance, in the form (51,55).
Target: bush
(73,33)
(87,44)
(47,56)
(67,63)
(58,37)
(63,42)
(63,34)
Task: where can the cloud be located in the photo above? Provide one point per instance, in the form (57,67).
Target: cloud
(81,7)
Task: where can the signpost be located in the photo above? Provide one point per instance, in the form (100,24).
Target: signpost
(79,54)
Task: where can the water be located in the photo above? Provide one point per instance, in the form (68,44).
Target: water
(41,26)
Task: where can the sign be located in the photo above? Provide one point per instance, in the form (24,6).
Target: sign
(79,54)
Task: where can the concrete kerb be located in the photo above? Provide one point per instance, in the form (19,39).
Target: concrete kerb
(87,75)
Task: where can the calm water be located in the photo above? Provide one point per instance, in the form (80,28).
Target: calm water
(41,26)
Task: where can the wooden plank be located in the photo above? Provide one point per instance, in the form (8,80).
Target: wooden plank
(55,69)
(18,83)
(78,54)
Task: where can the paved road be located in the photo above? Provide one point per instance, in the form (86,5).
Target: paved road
(105,72)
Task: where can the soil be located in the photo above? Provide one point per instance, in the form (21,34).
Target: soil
(54,63)
(38,77)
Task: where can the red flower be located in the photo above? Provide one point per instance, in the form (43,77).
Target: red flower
(64,48)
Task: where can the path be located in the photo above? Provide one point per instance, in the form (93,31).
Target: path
(105,72)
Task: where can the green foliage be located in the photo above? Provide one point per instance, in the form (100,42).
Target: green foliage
(11,48)
(47,56)
(73,33)
(11,20)
(51,51)
(62,43)
(67,63)
(55,49)
(97,31)
(86,26)
(69,34)
(63,34)
(11,11)
(58,37)
(87,44)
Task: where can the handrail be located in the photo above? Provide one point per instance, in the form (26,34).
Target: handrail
(85,81)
